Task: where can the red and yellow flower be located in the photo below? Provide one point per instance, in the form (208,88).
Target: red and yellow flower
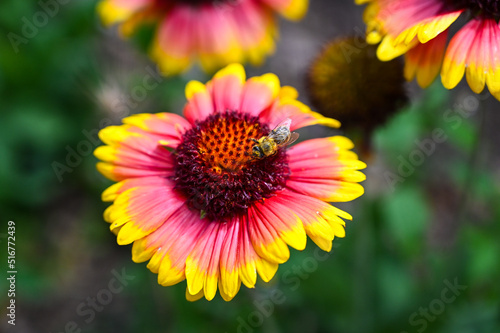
(198,206)
(215,32)
(419,29)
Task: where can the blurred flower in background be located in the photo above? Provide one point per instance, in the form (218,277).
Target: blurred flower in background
(200,207)
(213,32)
(347,81)
(419,29)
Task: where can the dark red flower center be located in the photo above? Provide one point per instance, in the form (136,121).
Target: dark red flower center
(216,172)
(486,7)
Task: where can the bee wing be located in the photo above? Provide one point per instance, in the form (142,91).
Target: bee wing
(285,123)
(281,131)
(293,137)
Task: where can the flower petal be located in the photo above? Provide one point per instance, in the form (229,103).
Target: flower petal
(326,169)
(455,58)
(434,26)
(287,224)
(112,192)
(200,104)
(255,27)
(474,50)
(113,11)
(266,239)
(493,75)
(226,87)
(374,26)
(174,45)
(141,206)
(402,15)
(290,9)
(286,106)
(429,28)
(215,34)
(133,152)
(408,22)
(193,298)
(483,63)
(258,93)
(202,264)
(424,60)
(321,220)
(229,282)
(389,49)
(250,263)
(168,247)
(167,126)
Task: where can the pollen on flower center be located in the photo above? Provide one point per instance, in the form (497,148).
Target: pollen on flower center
(224,142)
(215,171)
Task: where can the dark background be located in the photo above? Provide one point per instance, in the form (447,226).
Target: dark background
(409,242)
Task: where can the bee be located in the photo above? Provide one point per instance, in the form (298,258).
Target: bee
(279,137)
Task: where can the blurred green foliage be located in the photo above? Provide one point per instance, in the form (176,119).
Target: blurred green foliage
(408,239)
